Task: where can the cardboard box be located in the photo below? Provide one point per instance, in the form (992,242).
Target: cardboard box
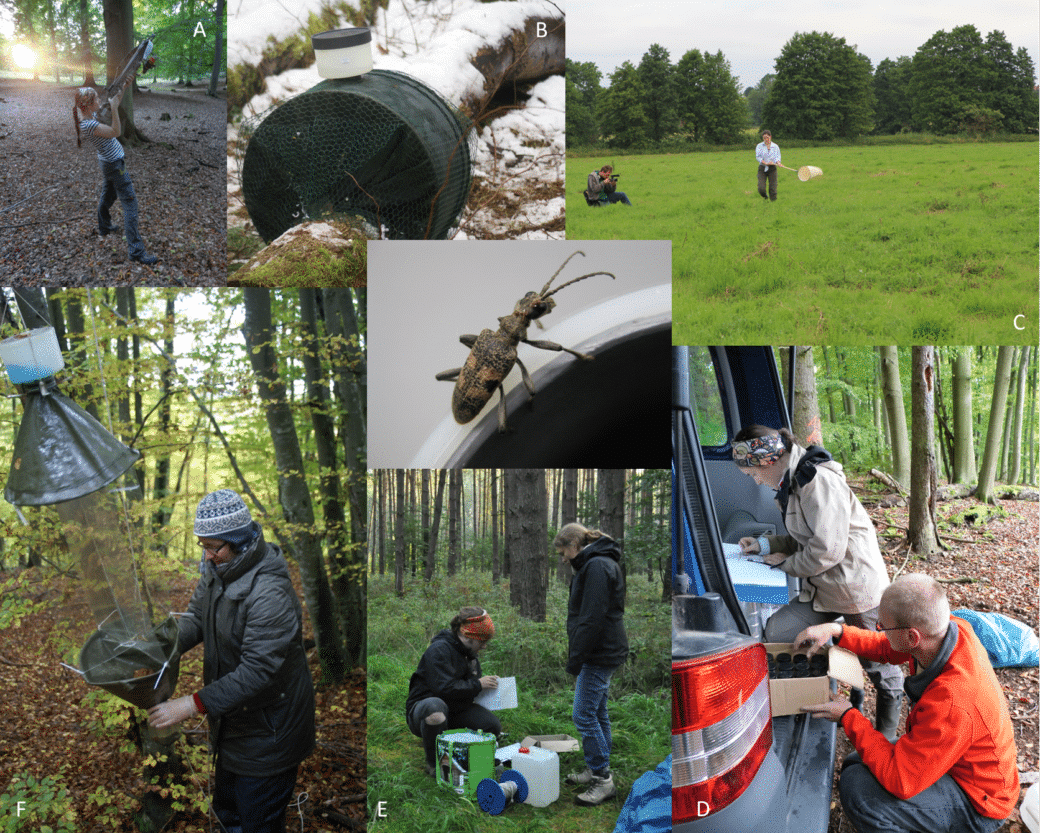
(557,743)
(788,696)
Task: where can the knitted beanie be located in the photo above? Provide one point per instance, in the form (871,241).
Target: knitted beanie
(223,515)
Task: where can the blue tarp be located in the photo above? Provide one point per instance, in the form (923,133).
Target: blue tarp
(648,808)
(1007,641)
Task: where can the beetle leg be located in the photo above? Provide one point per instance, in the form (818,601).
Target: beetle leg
(448,375)
(468,340)
(501,411)
(552,345)
(528,383)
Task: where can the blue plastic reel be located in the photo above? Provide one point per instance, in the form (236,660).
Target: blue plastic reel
(492,799)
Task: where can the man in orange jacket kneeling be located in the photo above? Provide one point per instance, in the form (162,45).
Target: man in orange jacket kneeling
(955,769)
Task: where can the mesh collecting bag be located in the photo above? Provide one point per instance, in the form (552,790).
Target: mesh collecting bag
(141,668)
(380,146)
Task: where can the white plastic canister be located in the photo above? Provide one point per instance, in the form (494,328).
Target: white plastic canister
(541,768)
(31,355)
(343,53)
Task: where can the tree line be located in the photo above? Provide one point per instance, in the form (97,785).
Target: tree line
(822,89)
(270,402)
(70,37)
(504,521)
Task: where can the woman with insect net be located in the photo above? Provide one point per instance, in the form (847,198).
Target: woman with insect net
(442,689)
(829,543)
(257,692)
(768,156)
(115,180)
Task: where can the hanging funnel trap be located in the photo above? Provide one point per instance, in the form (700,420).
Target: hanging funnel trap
(377,145)
(61,451)
(31,355)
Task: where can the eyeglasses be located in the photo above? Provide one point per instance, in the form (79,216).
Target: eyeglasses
(214,550)
(895,628)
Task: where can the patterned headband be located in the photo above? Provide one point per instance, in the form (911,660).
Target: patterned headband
(759,451)
(478,627)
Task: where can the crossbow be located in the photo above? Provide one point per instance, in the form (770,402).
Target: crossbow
(142,55)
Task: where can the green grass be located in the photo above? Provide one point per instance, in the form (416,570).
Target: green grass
(908,244)
(400,630)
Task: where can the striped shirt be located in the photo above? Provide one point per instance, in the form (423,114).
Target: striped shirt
(108,150)
(770,154)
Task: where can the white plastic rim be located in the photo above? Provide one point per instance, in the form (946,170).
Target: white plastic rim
(627,313)
(807,172)
(343,53)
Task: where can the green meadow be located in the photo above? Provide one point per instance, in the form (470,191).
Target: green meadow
(909,244)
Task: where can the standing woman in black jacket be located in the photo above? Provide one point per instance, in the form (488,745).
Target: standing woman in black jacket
(597,646)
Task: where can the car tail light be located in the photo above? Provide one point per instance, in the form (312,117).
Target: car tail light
(721,729)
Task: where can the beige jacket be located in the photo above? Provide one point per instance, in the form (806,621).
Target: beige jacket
(831,543)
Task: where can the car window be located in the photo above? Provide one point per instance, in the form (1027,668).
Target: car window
(706,400)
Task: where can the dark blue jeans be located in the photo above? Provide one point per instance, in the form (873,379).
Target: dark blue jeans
(942,808)
(117,184)
(245,804)
(590,715)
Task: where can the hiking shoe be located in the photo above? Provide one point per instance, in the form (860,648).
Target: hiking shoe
(599,791)
(146,259)
(579,778)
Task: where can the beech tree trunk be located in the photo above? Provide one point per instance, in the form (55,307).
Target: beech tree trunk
(923,535)
(1015,467)
(896,414)
(964,469)
(293,493)
(806,418)
(991,455)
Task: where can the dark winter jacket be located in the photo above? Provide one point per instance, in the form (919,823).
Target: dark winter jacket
(448,670)
(258,692)
(596,610)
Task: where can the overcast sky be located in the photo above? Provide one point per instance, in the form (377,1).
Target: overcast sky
(752,34)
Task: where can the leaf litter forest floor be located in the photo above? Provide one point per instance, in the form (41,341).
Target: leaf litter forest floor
(49,191)
(49,727)
(999,558)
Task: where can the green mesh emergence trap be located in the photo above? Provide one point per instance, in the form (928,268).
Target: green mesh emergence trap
(381,146)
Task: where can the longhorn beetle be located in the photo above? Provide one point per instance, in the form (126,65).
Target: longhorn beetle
(493,353)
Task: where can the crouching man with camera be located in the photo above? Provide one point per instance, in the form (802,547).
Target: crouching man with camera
(603,187)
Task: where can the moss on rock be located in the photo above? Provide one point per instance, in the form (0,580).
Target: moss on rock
(316,253)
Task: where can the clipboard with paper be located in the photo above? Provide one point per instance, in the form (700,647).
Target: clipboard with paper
(503,697)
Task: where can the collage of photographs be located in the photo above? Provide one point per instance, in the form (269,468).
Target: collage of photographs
(338,338)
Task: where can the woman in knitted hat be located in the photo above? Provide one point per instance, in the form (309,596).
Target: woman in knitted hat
(830,544)
(257,692)
(448,679)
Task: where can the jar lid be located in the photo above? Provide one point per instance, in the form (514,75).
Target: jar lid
(341,38)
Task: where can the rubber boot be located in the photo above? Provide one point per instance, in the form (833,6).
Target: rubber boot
(856,698)
(429,742)
(887,713)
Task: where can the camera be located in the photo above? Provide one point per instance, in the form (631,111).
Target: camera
(615,177)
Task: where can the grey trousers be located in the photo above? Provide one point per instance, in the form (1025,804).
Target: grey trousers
(764,172)
(796,616)
(942,808)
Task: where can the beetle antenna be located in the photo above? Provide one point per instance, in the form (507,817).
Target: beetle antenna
(574,280)
(568,260)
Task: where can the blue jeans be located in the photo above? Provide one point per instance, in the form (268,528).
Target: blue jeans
(245,804)
(942,808)
(117,184)
(618,196)
(590,715)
